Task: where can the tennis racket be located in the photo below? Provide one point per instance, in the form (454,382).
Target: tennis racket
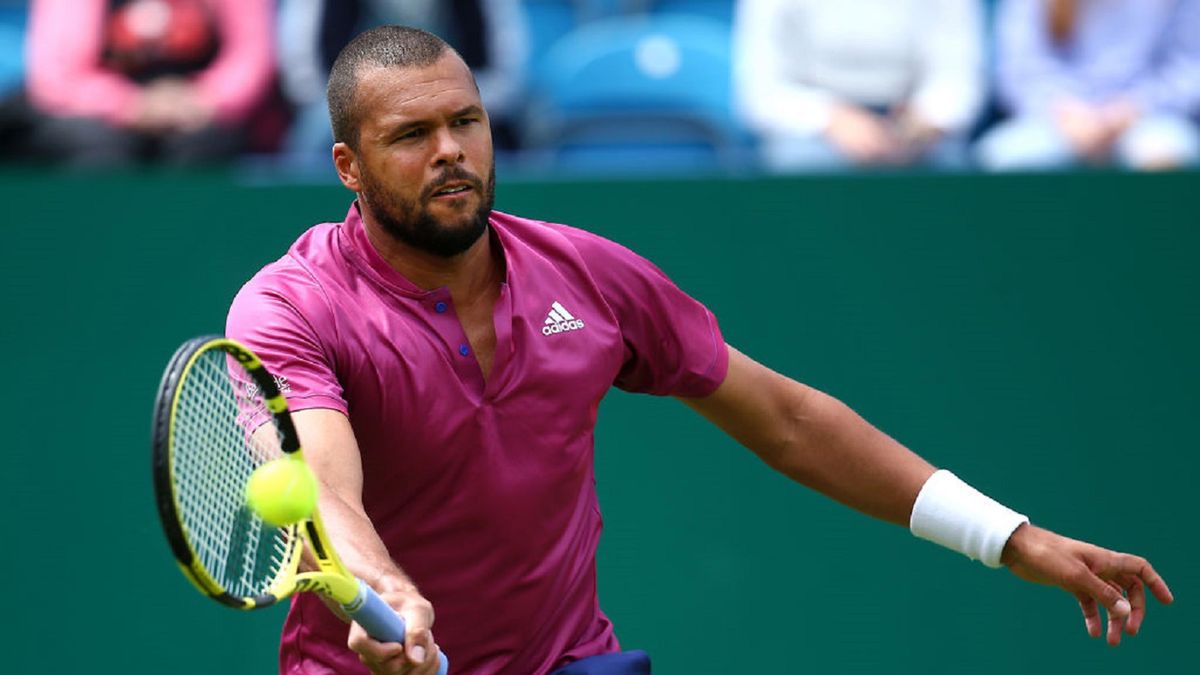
(219,416)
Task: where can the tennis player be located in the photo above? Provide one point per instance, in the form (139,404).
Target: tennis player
(446,362)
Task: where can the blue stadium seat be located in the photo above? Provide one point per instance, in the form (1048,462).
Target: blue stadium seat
(12,45)
(649,92)
(721,10)
(547,21)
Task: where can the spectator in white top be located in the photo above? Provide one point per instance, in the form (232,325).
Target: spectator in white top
(829,85)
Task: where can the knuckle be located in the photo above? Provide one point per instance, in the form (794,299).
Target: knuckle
(1078,577)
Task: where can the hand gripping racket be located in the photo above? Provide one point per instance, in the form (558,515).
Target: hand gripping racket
(219,416)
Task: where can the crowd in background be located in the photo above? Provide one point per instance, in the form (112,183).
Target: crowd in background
(784,85)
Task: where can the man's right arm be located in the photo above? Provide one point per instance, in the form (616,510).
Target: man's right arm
(332,451)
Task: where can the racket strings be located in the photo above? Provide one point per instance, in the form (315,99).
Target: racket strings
(222,432)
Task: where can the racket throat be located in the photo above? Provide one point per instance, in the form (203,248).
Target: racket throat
(331,584)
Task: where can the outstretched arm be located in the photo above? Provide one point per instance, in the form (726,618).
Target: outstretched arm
(818,441)
(331,449)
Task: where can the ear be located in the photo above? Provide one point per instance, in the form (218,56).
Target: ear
(346,163)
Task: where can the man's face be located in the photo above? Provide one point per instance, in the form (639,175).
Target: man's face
(425,169)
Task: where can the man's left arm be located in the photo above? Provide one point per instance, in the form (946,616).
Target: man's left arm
(819,442)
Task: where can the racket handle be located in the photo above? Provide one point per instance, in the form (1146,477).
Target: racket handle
(380,620)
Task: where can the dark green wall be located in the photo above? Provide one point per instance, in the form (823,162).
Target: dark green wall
(1036,334)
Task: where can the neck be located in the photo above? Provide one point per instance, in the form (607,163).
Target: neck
(469,275)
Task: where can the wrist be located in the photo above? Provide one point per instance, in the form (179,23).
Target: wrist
(955,515)
(390,581)
(1015,546)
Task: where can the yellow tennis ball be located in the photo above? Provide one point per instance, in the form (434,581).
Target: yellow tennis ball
(282,491)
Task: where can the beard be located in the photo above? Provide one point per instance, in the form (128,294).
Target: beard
(411,223)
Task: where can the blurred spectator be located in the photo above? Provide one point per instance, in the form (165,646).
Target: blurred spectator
(1096,81)
(836,83)
(489,34)
(118,81)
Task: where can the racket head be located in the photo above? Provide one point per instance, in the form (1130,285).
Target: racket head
(218,416)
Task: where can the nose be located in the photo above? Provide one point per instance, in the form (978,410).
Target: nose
(447,150)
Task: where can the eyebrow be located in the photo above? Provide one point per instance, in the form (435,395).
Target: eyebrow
(469,110)
(406,125)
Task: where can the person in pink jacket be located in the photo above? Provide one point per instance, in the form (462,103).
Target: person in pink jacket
(120,81)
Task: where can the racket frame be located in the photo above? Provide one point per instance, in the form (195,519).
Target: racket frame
(330,578)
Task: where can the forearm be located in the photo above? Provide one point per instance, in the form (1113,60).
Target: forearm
(332,451)
(359,545)
(830,448)
(835,451)
(816,440)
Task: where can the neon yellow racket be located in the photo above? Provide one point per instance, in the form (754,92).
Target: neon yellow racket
(218,417)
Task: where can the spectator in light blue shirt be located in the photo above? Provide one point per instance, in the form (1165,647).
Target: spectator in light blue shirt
(1095,82)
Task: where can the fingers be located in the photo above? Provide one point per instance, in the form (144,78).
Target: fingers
(1137,600)
(1091,614)
(1133,575)
(1095,576)
(418,618)
(421,652)
(1109,595)
(1117,576)
(1116,622)
(391,658)
(1141,569)
(382,658)
(418,655)
(1091,610)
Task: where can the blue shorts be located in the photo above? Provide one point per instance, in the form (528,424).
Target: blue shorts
(634,662)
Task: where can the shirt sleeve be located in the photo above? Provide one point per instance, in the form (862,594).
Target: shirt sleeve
(950,89)
(65,77)
(1173,86)
(769,100)
(238,79)
(1030,76)
(274,315)
(673,345)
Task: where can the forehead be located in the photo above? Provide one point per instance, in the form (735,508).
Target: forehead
(392,95)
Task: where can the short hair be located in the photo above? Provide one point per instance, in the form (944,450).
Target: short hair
(382,46)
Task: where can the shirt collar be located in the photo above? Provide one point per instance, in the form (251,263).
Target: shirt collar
(363,252)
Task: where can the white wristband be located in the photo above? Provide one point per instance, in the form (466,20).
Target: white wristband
(951,513)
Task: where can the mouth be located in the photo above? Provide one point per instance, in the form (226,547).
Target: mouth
(452,190)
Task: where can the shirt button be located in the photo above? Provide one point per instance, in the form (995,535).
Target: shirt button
(440,307)
(464,350)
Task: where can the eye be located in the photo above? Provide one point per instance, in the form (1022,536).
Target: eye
(464,121)
(411,134)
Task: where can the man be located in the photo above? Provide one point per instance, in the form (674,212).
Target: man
(447,362)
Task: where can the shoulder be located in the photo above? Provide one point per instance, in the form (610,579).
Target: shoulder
(294,284)
(592,250)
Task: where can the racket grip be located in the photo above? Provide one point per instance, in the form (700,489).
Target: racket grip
(380,620)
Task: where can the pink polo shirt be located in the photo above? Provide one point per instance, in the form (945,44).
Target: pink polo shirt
(482,490)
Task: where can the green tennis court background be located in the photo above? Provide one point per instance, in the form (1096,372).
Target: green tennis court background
(1035,333)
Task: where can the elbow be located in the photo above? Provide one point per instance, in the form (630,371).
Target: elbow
(786,444)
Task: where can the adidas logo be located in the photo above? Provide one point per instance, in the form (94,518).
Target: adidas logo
(559,320)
